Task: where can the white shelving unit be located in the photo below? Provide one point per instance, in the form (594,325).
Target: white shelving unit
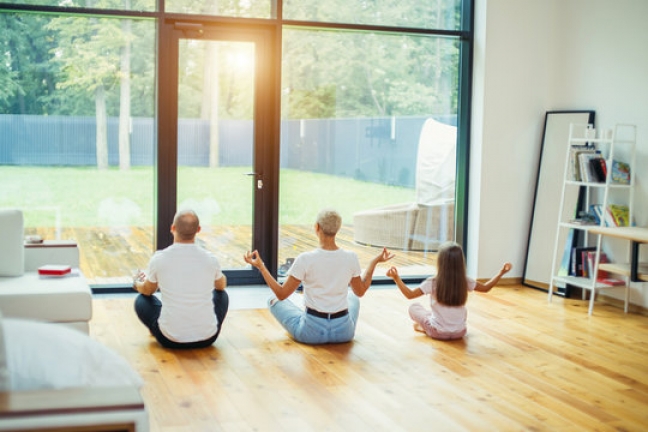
(614,145)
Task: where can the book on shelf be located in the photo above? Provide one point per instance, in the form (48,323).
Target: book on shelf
(611,281)
(574,168)
(620,172)
(596,210)
(598,169)
(615,215)
(566,258)
(586,161)
(578,260)
(602,274)
(619,214)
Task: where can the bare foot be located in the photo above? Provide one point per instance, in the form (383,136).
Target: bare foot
(418,328)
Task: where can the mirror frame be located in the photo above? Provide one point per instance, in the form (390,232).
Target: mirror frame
(546,201)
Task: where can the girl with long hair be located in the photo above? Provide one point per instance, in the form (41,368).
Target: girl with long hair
(448,292)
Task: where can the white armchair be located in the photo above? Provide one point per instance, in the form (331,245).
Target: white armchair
(429,221)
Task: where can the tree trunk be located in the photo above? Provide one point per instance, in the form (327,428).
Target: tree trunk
(102,128)
(212,88)
(124,99)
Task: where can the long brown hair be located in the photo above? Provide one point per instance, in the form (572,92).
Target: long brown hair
(451,285)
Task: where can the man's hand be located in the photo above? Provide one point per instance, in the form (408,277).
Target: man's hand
(139,276)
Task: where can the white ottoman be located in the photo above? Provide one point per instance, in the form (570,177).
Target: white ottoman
(65,299)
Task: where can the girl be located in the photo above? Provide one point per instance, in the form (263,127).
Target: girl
(448,292)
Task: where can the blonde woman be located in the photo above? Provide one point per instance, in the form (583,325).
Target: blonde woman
(326,273)
(448,292)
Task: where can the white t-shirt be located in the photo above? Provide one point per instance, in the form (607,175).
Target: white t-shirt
(185,274)
(444,318)
(326,275)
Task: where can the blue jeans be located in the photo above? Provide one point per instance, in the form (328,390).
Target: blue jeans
(312,330)
(148,310)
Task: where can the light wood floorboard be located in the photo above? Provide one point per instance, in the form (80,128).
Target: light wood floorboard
(525,364)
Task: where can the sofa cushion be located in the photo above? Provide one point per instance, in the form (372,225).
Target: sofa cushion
(46,298)
(4,374)
(43,355)
(12,253)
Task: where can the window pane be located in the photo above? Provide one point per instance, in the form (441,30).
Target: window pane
(438,15)
(215,143)
(77,133)
(228,8)
(369,128)
(127,5)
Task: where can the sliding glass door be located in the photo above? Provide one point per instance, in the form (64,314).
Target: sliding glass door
(216,124)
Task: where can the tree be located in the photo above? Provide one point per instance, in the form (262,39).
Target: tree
(27,75)
(125,96)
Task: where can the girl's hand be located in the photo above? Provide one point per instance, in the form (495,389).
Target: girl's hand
(392,273)
(253,259)
(506,268)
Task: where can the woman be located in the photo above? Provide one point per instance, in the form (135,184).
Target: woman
(326,273)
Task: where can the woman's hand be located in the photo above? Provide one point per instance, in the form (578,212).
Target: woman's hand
(253,259)
(384,256)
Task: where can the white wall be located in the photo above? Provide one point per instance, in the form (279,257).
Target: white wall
(512,66)
(537,55)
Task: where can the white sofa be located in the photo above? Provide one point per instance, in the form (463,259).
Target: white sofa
(25,294)
(53,377)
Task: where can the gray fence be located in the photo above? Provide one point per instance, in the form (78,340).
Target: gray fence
(381,150)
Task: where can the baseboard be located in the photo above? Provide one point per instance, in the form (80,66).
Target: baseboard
(503,281)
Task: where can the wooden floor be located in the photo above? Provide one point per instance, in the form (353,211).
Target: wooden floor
(111,255)
(525,364)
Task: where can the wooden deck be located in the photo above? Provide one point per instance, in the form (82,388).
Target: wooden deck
(110,256)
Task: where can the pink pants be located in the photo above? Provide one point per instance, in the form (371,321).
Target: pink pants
(420,315)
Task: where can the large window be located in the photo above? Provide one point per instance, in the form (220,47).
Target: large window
(77,134)
(351,105)
(438,14)
(369,128)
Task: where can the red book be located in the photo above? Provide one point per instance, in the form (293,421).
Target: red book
(54,270)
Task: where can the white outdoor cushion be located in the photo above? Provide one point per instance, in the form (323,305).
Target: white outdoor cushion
(47,356)
(12,253)
(46,298)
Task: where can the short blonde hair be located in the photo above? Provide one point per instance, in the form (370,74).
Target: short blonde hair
(329,222)
(186,224)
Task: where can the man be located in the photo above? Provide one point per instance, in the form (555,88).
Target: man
(327,272)
(193,301)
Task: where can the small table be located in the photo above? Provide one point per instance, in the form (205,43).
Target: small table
(636,235)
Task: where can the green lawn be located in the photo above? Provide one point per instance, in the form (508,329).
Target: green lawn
(90,197)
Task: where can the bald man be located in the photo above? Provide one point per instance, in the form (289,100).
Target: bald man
(193,303)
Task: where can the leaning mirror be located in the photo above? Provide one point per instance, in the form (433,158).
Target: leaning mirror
(546,203)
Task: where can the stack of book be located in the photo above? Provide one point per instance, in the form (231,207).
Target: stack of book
(582,261)
(586,164)
(615,215)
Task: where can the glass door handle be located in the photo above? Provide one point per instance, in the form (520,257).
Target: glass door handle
(259,179)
